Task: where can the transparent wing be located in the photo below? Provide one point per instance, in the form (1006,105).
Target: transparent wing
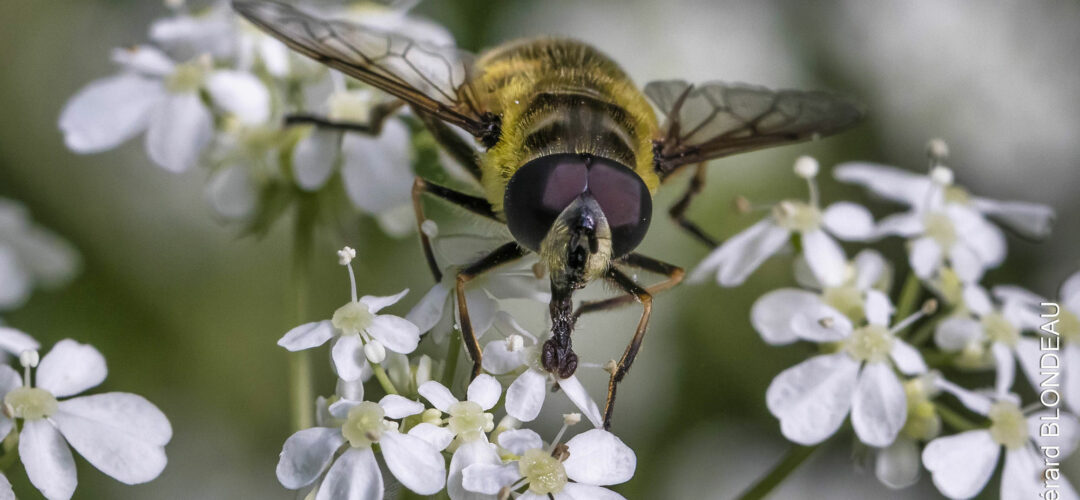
(716,119)
(432,78)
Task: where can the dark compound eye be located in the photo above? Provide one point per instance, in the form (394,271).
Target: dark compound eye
(539,191)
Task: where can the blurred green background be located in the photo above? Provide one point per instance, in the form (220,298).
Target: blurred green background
(187,312)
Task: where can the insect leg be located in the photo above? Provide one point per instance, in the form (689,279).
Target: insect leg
(456,146)
(673,273)
(378,115)
(678,210)
(473,204)
(645,298)
(502,255)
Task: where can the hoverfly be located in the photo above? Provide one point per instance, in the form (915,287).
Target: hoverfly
(572,152)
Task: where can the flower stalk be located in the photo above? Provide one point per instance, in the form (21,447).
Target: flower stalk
(794,458)
(301,391)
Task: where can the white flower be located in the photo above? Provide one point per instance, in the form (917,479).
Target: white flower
(157,95)
(961,464)
(516,280)
(738,257)
(121,434)
(361,333)
(997,326)
(185,35)
(576,470)
(945,222)
(467,425)
(813,398)
(354,427)
(518,351)
(30,256)
(773,315)
(898,465)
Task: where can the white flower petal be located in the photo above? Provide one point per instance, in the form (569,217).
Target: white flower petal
(306,455)
(1070,385)
(526,394)
(772,314)
(870,268)
(1033,220)
(472,452)
(906,225)
(1070,293)
(849,221)
(803,275)
(397,406)
(315,156)
(574,390)
(123,435)
(1006,367)
(241,94)
(741,254)
(1017,294)
(812,398)
(439,437)
(395,333)
(340,408)
(925,257)
(891,183)
(962,464)
(307,336)
(355,475)
(954,333)
(348,357)
(6,493)
(983,238)
(977,300)
(518,285)
(16,341)
(482,310)
(825,257)
(376,170)
(1020,478)
(232,193)
(1028,355)
(145,59)
(907,358)
(427,313)
(879,406)
(15,280)
(488,479)
(578,491)
(878,308)
(898,465)
(180,128)
(975,402)
(518,441)
(70,368)
(821,323)
(414,462)
(129,414)
(1063,424)
(599,458)
(484,390)
(109,111)
(439,396)
(966,262)
(377,303)
(47,459)
(9,380)
(499,359)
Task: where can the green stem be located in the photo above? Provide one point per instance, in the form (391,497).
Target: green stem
(791,461)
(11,450)
(909,297)
(384,381)
(954,419)
(453,352)
(924,332)
(301,391)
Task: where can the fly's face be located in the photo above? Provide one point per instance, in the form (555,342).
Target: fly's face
(579,212)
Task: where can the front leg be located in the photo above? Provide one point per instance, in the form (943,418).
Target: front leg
(623,366)
(673,273)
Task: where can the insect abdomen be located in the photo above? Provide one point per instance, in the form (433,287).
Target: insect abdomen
(562,96)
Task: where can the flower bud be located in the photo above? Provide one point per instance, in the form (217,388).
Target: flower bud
(375,351)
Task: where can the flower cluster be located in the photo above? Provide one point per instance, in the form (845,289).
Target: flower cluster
(210,90)
(425,436)
(875,361)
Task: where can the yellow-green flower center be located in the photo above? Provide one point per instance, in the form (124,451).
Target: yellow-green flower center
(923,422)
(999,329)
(1008,426)
(187,77)
(870,343)
(1069,326)
(848,300)
(957,194)
(797,216)
(544,472)
(940,228)
(469,421)
(352,318)
(364,425)
(973,356)
(30,403)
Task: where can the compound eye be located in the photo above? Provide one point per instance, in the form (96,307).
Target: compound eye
(626,203)
(538,192)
